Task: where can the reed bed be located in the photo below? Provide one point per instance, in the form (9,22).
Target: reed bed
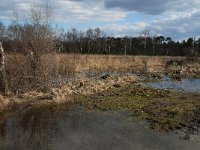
(56,67)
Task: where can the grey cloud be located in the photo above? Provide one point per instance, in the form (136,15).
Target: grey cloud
(7,7)
(180,28)
(151,7)
(4,9)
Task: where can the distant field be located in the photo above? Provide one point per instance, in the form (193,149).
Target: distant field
(115,62)
(78,63)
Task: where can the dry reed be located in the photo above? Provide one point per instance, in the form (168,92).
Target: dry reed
(54,69)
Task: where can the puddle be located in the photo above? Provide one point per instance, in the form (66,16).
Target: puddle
(74,129)
(186,85)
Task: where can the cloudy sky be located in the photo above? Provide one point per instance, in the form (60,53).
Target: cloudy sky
(178,19)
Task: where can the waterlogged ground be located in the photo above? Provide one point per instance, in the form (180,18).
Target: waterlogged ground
(61,128)
(127,117)
(186,85)
(164,109)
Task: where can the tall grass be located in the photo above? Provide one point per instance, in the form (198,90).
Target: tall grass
(53,69)
(50,68)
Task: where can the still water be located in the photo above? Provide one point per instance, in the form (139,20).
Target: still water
(75,129)
(186,85)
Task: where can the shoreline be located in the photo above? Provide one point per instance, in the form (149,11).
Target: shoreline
(165,110)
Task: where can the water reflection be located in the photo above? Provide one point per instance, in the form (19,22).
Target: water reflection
(74,129)
(186,85)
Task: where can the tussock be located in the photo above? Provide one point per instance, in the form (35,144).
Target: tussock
(86,87)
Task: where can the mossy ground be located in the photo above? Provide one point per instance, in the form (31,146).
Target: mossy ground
(165,110)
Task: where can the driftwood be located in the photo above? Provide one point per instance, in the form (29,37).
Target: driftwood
(3,79)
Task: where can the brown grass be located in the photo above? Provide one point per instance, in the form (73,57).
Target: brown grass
(63,66)
(117,63)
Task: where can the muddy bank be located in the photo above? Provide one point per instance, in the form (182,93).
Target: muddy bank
(165,110)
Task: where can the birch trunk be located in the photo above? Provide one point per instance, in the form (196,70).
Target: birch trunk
(3,78)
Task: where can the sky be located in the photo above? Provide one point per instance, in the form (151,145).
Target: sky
(179,19)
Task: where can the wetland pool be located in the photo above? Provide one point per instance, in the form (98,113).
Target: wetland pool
(185,85)
(74,128)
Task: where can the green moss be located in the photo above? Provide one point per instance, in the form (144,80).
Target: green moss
(167,109)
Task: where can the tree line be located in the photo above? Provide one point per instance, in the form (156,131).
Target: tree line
(94,41)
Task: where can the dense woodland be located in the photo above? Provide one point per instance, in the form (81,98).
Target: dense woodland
(95,41)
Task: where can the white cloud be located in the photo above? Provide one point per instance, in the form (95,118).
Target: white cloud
(176,18)
(178,25)
(68,10)
(126,28)
(91,11)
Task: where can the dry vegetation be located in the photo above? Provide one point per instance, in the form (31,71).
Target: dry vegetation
(118,63)
(184,68)
(54,69)
(60,75)
(65,93)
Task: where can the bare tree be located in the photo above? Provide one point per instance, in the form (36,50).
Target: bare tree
(34,36)
(97,38)
(3,77)
(145,34)
(72,36)
(2,31)
(81,40)
(154,43)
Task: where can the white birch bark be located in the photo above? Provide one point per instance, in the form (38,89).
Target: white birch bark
(3,78)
